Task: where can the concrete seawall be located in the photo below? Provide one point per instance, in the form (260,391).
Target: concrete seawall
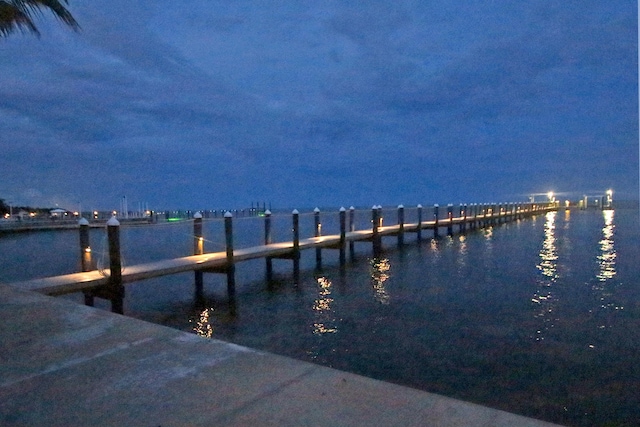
(64,364)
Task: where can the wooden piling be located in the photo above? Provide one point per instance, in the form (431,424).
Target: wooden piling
(115,289)
(352,227)
(450,219)
(231,268)
(267,241)
(400,225)
(419,229)
(343,235)
(375,238)
(296,246)
(317,233)
(436,213)
(85,257)
(198,249)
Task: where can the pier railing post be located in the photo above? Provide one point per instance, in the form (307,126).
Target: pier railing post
(375,221)
(267,241)
(296,245)
(419,229)
(85,256)
(198,249)
(400,225)
(115,289)
(343,235)
(352,228)
(463,216)
(436,213)
(450,219)
(231,268)
(317,233)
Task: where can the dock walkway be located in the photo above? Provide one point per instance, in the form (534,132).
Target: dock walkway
(219,261)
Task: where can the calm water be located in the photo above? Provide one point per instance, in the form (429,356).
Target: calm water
(539,317)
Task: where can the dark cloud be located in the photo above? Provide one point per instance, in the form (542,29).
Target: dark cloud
(219,104)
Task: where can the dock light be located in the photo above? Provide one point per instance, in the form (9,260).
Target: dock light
(609,192)
(550,196)
(87,249)
(567,203)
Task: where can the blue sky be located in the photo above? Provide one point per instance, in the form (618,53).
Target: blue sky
(212,104)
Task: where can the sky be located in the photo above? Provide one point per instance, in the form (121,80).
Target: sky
(212,104)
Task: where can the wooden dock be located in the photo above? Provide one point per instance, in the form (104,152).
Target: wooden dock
(104,284)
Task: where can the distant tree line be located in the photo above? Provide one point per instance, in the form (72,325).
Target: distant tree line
(5,209)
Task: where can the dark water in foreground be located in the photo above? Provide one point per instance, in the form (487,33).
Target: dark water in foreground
(540,317)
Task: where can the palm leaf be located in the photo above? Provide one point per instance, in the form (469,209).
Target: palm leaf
(17,15)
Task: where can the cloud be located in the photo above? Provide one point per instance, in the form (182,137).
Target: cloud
(306,102)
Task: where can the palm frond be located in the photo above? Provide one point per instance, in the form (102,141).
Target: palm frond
(17,15)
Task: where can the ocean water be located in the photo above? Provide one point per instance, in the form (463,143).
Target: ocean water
(539,316)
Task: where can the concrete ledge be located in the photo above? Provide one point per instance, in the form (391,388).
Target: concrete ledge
(64,364)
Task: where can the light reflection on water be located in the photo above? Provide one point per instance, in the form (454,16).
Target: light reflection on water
(543,298)
(607,257)
(379,275)
(325,320)
(604,287)
(203,325)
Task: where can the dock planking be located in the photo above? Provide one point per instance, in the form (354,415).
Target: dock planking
(222,261)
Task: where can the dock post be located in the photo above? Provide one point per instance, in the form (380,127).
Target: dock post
(375,238)
(318,233)
(115,289)
(400,225)
(198,249)
(267,241)
(343,235)
(450,219)
(463,215)
(474,215)
(231,268)
(85,256)
(352,227)
(296,246)
(436,208)
(419,229)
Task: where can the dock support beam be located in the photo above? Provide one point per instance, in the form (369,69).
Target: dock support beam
(375,238)
(400,225)
(352,227)
(436,214)
(231,268)
(198,249)
(267,241)
(296,246)
(419,229)
(85,256)
(115,289)
(317,233)
(343,235)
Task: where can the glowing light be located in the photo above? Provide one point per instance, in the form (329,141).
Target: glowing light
(87,249)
